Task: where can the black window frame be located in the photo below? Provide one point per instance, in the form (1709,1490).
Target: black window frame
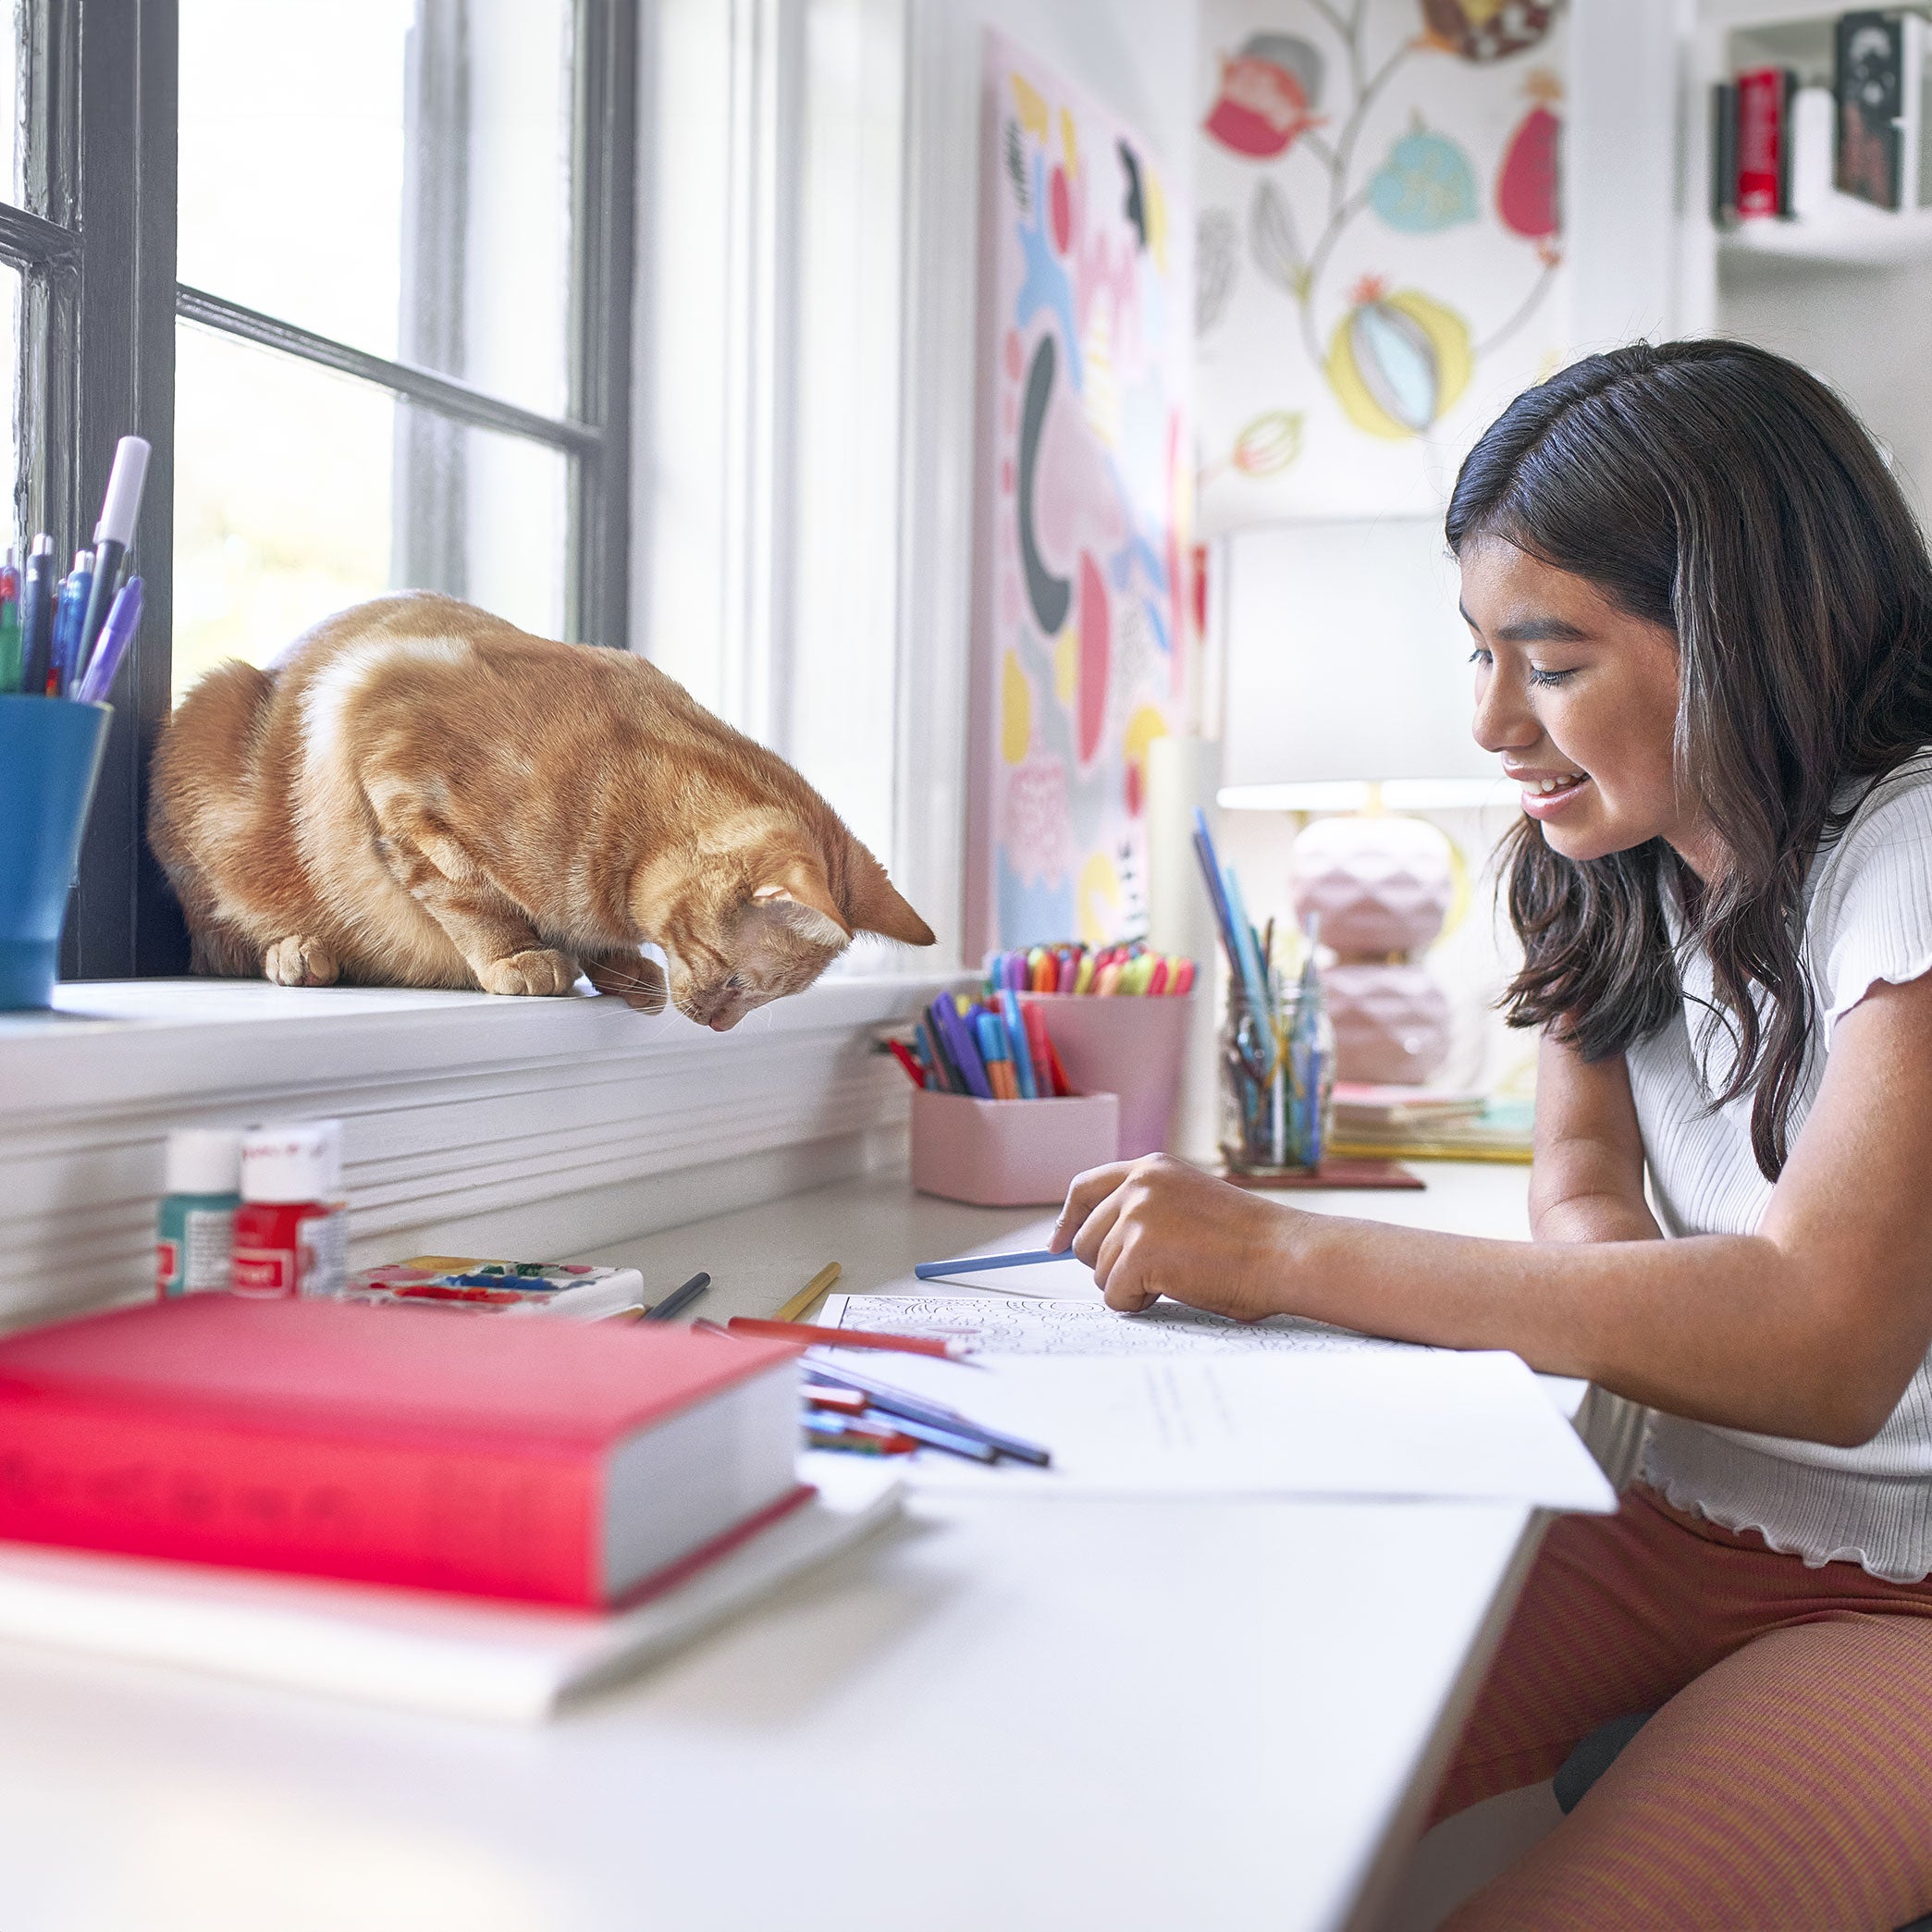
(100,304)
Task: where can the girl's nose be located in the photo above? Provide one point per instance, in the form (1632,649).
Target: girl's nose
(1503,722)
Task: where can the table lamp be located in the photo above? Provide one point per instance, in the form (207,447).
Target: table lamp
(1348,703)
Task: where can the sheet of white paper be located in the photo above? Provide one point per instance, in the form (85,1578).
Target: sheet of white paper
(1392,1422)
(1071,1325)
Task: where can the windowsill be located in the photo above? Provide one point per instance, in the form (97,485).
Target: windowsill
(548,1126)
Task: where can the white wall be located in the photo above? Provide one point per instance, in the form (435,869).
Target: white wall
(806,371)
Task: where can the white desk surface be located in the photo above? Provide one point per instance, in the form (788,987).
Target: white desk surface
(1104,1713)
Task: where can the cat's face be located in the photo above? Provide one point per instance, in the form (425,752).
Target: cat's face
(740,944)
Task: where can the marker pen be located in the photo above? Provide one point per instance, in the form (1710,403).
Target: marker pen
(70,610)
(37,619)
(10,623)
(113,534)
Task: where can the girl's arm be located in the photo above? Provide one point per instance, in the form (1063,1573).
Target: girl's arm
(1811,1327)
(1587,1183)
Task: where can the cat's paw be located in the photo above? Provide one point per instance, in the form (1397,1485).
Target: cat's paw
(298,961)
(638,981)
(541,971)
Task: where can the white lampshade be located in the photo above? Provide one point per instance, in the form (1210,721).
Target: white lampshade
(1348,665)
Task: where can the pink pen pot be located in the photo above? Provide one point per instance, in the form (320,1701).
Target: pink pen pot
(1132,1045)
(1009,1153)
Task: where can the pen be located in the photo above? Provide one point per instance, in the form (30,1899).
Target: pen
(679,1299)
(958,1037)
(1019,1049)
(37,619)
(809,1293)
(853,1441)
(914,1071)
(930,1435)
(992,1050)
(848,1337)
(113,534)
(68,613)
(10,623)
(973,1263)
(97,681)
(901,1405)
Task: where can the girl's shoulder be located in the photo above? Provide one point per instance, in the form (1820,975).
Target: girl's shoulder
(1868,914)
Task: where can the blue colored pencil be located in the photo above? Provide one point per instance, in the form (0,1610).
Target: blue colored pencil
(974,1263)
(1019,1049)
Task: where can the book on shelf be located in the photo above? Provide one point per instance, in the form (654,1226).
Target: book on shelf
(1764,143)
(1724,154)
(540,1461)
(1880,79)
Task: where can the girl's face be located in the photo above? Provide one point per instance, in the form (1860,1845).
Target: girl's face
(1580,698)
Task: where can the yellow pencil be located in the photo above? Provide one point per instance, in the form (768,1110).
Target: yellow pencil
(793,1310)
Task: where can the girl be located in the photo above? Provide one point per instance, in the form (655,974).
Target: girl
(1702,614)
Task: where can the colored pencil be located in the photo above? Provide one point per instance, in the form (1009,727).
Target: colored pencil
(679,1299)
(795,1308)
(974,1263)
(848,1337)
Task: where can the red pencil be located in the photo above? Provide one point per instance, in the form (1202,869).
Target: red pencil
(914,1071)
(848,1337)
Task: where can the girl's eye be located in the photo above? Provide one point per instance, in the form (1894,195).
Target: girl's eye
(1549,677)
(1479,656)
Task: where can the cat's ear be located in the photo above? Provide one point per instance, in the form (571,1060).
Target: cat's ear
(877,905)
(803,885)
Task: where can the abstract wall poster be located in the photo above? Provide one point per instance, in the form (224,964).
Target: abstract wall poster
(1083,618)
(1379,260)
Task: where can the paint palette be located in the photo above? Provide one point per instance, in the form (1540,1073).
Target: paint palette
(466,1285)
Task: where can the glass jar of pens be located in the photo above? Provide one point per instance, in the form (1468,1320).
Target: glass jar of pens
(1277,1075)
(1277,1043)
(61,643)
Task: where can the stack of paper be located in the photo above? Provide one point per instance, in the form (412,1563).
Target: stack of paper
(1404,1423)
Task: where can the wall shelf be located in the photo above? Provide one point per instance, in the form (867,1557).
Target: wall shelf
(1845,233)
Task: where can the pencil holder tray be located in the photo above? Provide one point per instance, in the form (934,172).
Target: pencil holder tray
(1134,1047)
(50,755)
(1009,1153)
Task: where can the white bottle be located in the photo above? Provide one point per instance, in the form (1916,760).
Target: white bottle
(291,1231)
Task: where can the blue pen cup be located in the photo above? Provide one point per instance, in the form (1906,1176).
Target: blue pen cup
(50,756)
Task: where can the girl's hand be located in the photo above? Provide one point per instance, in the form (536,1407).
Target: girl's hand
(1157,1226)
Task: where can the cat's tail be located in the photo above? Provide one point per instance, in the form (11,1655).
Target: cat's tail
(201,805)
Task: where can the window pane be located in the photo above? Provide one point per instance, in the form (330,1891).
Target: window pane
(348,495)
(13,188)
(282,492)
(11,285)
(391,173)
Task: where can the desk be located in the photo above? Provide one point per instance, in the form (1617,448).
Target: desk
(1072,1716)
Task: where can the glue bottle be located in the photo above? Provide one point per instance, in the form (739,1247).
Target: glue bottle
(194,1231)
(292,1230)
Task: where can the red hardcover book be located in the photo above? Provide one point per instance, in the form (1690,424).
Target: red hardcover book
(1764,142)
(542,1461)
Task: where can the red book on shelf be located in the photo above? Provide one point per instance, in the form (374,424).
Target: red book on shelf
(1764,142)
(548,1463)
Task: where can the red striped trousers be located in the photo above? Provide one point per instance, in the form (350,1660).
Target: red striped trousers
(1786,1780)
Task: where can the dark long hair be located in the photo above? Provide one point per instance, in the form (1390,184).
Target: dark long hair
(1720,490)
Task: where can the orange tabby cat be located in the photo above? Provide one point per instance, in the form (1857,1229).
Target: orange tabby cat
(422,795)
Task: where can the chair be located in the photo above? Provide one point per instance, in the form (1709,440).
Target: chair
(1598,1752)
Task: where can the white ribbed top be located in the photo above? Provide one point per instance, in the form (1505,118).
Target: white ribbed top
(1868,918)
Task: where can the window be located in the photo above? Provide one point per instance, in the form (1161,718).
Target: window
(375,322)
